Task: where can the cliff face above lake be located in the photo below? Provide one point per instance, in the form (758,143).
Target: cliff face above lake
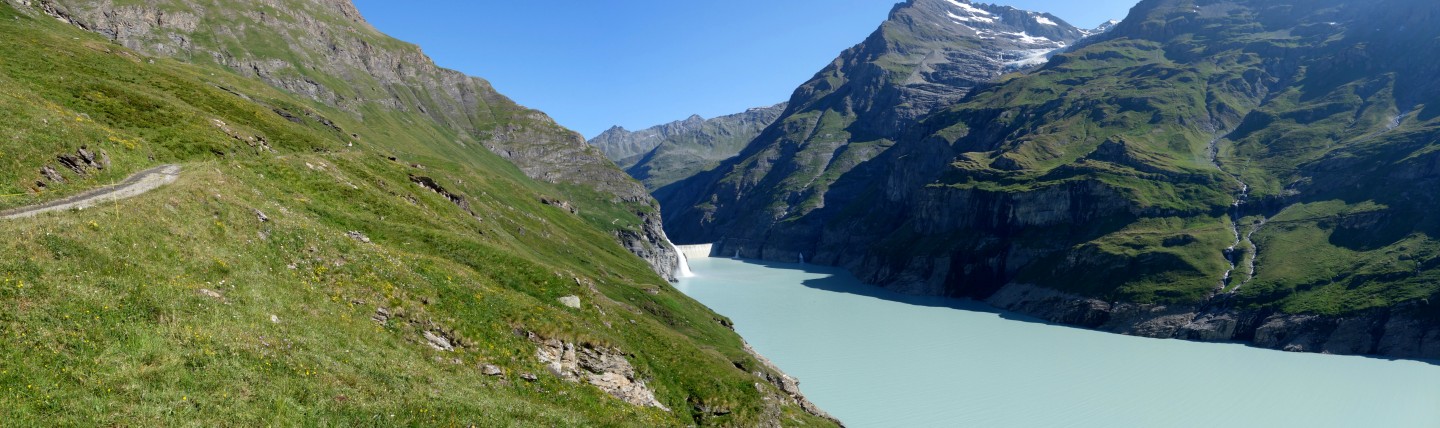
(1270,164)
(324,50)
(927,55)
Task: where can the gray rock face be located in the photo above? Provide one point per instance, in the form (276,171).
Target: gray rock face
(650,243)
(439,342)
(1403,332)
(607,369)
(332,42)
(928,54)
(358,236)
(51,174)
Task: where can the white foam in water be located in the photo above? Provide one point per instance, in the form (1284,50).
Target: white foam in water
(684,270)
(874,358)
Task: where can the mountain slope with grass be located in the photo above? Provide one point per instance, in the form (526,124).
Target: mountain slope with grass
(323,263)
(325,51)
(1254,171)
(664,154)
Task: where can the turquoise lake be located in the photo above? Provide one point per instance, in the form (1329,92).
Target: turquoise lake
(878,359)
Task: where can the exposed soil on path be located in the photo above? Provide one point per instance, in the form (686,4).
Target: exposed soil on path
(135,185)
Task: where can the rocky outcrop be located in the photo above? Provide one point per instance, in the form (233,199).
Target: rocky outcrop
(430,184)
(605,368)
(81,163)
(328,41)
(650,243)
(1406,331)
(787,385)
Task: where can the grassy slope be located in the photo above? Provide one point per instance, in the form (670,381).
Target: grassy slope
(1347,232)
(105,324)
(1053,127)
(422,127)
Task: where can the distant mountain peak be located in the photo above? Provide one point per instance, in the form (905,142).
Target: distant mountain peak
(1103,28)
(622,145)
(928,55)
(1027,32)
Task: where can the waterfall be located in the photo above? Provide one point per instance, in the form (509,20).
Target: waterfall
(737,253)
(802,258)
(684,268)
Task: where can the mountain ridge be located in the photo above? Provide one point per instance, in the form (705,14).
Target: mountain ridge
(662,154)
(1227,171)
(927,54)
(361,71)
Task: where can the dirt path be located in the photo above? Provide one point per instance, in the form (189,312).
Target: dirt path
(135,185)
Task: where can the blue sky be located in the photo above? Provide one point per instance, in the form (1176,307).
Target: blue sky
(639,63)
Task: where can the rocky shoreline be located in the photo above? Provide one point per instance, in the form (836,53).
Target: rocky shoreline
(1406,331)
(1398,332)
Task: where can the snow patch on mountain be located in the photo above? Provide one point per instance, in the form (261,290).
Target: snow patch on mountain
(1028,58)
(960,19)
(1045,21)
(1024,37)
(1102,29)
(968,8)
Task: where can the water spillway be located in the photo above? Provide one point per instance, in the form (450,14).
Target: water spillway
(683,270)
(688,252)
(698,251)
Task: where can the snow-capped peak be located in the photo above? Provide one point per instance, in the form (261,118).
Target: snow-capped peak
(1107,26)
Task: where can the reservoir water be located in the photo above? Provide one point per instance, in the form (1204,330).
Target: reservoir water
(878,359)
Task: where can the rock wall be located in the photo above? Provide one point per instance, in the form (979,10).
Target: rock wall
(921,59)
(1405,331)
(651,244)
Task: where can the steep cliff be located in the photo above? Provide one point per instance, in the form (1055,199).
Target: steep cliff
(663,154)
(324,50)
(1216,170)
(927,55)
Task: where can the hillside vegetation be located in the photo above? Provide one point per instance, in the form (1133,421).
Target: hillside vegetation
(1259,171)
(314,268)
